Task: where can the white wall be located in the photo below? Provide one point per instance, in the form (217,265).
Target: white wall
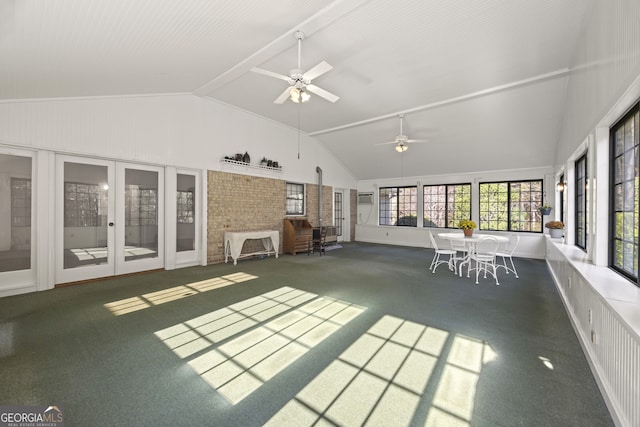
(176,130)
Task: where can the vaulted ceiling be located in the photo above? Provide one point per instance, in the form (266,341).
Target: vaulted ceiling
(483,82)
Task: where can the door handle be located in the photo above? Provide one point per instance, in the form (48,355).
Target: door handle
(110,224)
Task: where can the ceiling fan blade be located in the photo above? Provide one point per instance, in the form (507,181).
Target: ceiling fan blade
(419,141)
(323,93)
(385,143)
(316,71)
(270,74)
(283,97)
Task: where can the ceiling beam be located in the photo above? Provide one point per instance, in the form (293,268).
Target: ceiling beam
(316,22)
(542,77)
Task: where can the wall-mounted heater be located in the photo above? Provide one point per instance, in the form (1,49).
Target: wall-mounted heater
(365,198)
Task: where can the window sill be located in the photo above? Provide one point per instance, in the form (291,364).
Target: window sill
(622,295)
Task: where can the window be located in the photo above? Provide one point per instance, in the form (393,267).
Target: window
(85,205)
(625,194)
(564,188)
(295,199)
(446,205)
(398,206)
(581,202)
(511,206)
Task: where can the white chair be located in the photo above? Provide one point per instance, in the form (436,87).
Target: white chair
(460,246)
(436,261)
(507,253)
(484,255)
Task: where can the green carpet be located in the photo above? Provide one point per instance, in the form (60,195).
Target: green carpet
(364,334)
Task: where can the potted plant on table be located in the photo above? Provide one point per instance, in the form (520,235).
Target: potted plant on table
(467,227)
(555,228)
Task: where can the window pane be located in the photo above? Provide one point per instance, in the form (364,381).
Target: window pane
(141,214)
(295,199)
(511,206)
(435,206)
(407,206)
(624,145)
(185,213)
(15,194)
(85,210)
(398,206)
(388,206)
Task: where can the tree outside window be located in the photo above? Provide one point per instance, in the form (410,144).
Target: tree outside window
(446,205)
(625,195)
(511,206)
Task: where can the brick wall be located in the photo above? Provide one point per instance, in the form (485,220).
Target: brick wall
(241,203)
(249,203)
(312,205)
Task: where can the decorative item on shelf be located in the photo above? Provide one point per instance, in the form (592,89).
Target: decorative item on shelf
(246,158)
(238,157)
(555,229)
(270,163)
(467,227)
(275,165)
(264,162)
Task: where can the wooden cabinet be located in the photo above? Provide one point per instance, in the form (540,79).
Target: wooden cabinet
(297,234)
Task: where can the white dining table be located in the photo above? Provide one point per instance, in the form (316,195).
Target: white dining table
(470,243)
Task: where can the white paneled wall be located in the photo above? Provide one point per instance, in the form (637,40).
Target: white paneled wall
(601,306)
(175,130)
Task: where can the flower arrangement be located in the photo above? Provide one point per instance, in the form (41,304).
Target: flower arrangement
(467,224)
(555,225)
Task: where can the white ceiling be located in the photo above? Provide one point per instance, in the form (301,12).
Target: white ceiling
(483,81)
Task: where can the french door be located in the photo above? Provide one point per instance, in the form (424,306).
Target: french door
(109,218)
(338,214)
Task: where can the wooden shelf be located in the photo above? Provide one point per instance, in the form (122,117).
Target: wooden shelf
(234,164)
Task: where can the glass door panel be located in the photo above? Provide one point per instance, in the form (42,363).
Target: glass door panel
(140,219)
(15,213)
(85,208)
(186,213)
(86,202)
(111,218)
(141,214)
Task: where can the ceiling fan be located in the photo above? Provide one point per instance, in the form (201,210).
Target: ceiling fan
(300,81)
(402,140)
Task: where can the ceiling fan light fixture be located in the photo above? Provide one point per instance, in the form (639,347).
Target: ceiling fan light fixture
(401,147)
(299,95)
